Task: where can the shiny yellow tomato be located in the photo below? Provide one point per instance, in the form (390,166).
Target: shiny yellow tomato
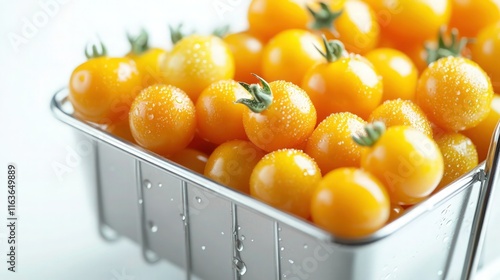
(147,59)
(454,93)
(162,119)
(232,163)
(482,133)
(330,144)
(405,160)
(247,53)
(286,179)
(343,83)
(485,52)
(279,116)
(102,88)
(350,203)
(289,55)
(218,118)
(266,18)
(470,16)
(402,112)
(356,26)
(459,155)
(399,74)
(410,21)
(121,129)
(195,62)
(191,159)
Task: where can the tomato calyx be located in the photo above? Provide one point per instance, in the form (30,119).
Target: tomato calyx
(139,44)
(176,33)
(334,50)
(324,17)
(262,96)
(373,132)
(221,31)
(444,49)
(98,50)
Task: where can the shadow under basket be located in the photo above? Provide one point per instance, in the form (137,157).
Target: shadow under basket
(215,233)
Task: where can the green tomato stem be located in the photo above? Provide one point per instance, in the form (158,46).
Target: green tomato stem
(454,47)
(324,17)
(139,44)
(262,96)
(98,50)
(334,49)
(373,132)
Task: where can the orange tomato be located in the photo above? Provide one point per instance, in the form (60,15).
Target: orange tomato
(350,203)
(410,21)
(454,93)
(279,116)
(485,52)
(247,53)
(191,159)
(331,145)
(162,119)
(218,118)
(232,163)
(289,55)
(396,212)
(482,133)
(195,62)
(102,88)
(401,112)
(399,74)
(355,24)
(286,179)
(356,87)
(470,16)
(404,159)
(121,129)
(459,155)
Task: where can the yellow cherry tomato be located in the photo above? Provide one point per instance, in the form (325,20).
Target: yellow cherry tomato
(247,53)
(286,179)
(147,59)
(350,203)
(470,16)
(191,159)
(121,129)
(399,74)
(459,155)
(289,55)
(454,93)
(102,88)
(485,52)
(330,144)
(232,163)
(410,21)
(218,118)
(405,160)
(482,133)
(279,116)
(195,62)
(343,83)
(402,112)
(162,119)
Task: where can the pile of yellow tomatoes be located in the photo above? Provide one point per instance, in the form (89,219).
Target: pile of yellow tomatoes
(343,112)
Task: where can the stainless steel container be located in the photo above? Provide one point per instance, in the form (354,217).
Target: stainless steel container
(214,232)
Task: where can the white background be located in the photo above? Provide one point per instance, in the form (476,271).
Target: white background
(57,231)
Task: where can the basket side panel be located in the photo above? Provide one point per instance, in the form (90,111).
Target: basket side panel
(117,179)
(163,209)
(210,227)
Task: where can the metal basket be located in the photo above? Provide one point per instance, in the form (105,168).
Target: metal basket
(216,233)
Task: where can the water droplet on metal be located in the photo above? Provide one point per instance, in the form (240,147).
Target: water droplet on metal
(222,233)
(203,248)
(239,245)
(160,185)
(140,201)
(240,266)
(183,217)
(282,249)
(279,229)
(153,227)
(147,184)
(172,199)
(440,272)
(305,246)
(242,237)
(239,228)
(198,199)
(291,261)
(251,240)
